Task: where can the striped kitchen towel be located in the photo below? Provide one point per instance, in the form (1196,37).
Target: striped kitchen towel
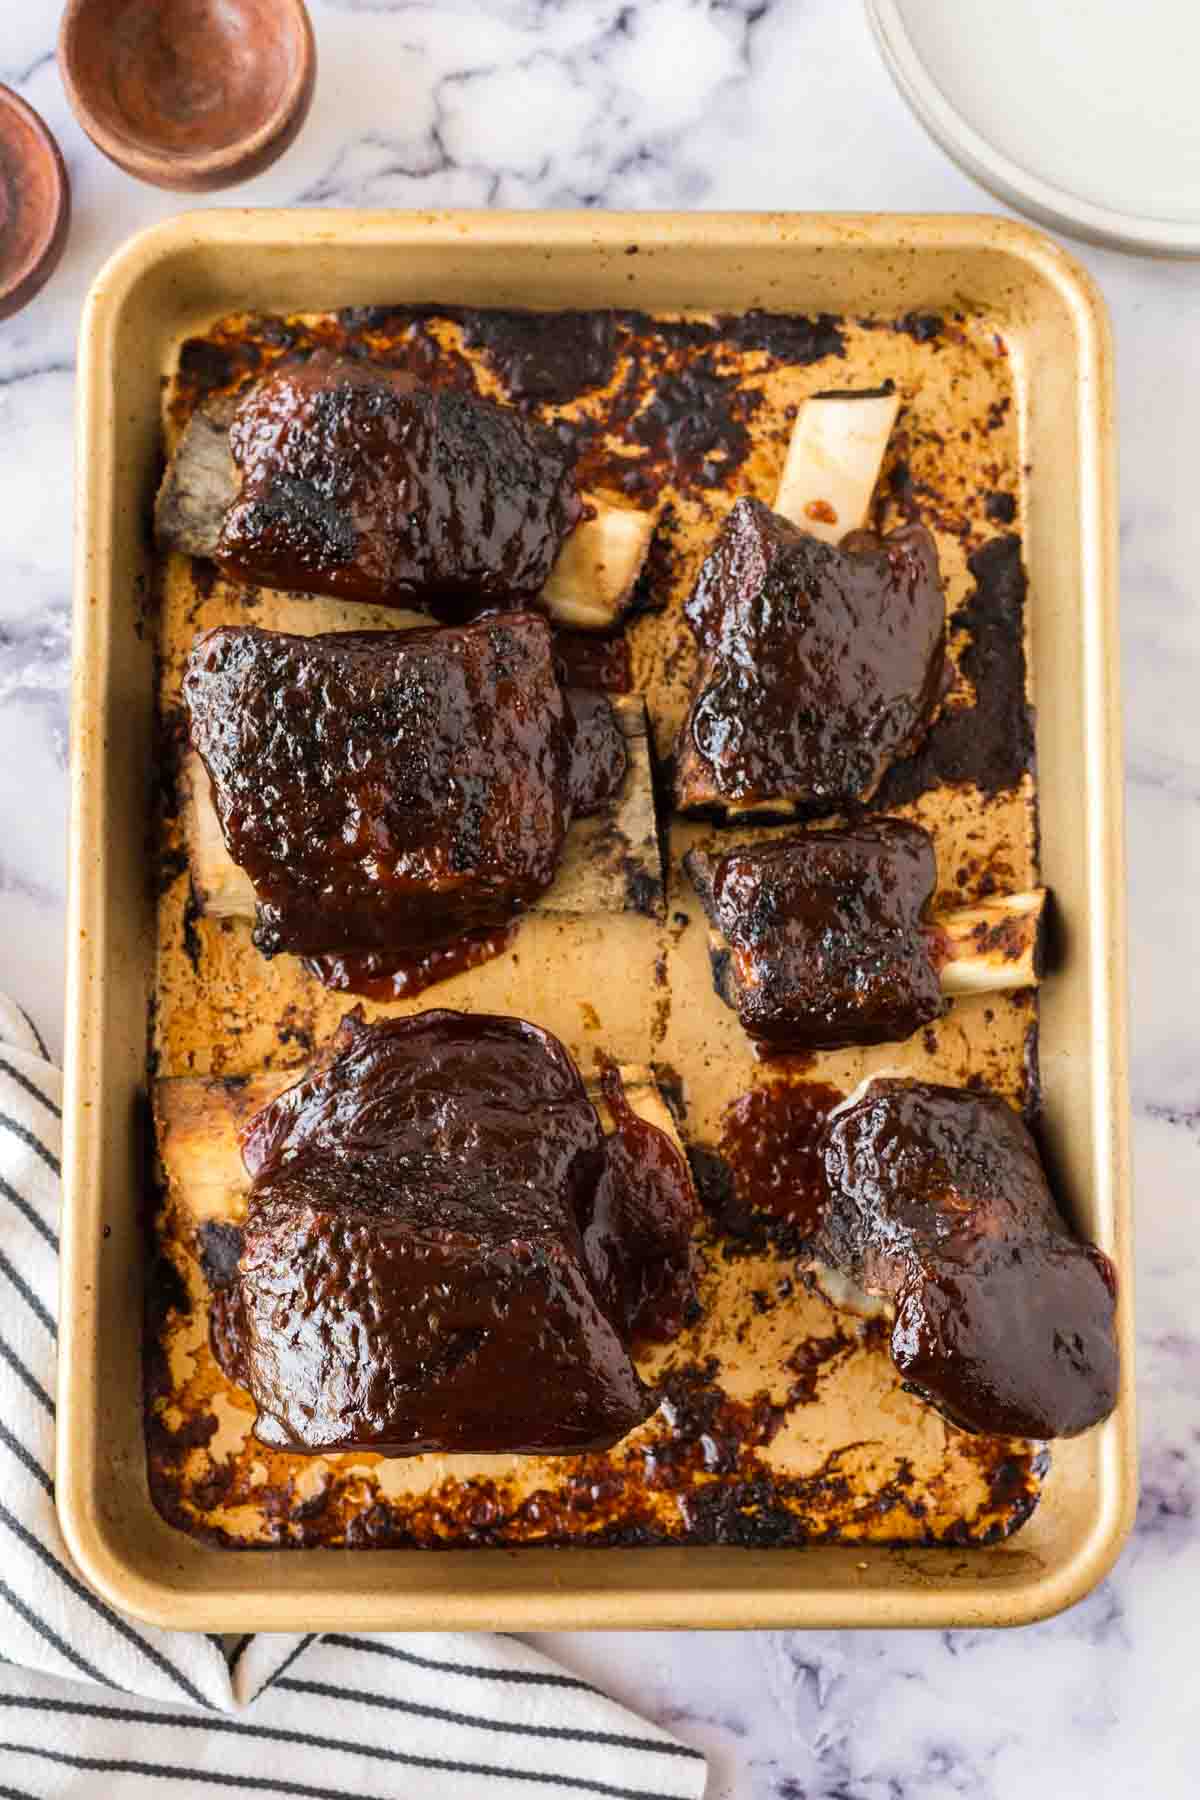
(93,1704)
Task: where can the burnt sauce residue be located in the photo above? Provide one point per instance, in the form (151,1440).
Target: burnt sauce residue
(672,391)
(990,741)
(673,414)
(701,1472)
(697,420)
(548,357)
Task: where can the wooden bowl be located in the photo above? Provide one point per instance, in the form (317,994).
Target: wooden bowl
(189,94)
(35,203)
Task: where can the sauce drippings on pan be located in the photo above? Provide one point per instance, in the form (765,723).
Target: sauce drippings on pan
(402,974)
(543,357)
(770,1141)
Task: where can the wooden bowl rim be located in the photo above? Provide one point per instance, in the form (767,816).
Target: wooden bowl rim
(38,266)
(153,166)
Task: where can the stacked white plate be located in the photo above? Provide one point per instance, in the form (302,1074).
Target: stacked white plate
(1083,113)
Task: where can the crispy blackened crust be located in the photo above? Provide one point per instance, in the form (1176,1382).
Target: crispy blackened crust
(364,483)
(938,1202)
(820,665)
(818,936)
(385,790)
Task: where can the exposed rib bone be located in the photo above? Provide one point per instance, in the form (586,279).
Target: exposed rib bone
(592,581)
(833,462)
(990,947)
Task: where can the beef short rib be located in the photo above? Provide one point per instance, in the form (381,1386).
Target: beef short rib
(1001,1317)
(819,939)
(820,665)
(361,482)
(433,1256)
(391,790)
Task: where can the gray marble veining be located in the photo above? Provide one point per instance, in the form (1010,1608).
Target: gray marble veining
(733,103)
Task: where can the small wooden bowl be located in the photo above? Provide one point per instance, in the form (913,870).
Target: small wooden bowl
(189,94)
(35,203)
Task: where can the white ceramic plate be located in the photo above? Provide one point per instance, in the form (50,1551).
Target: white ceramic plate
(1083,113)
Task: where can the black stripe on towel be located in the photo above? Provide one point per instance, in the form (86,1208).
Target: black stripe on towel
(172,1772)
(9,1355)
(38,1039)
(288,1660)
(31,1087)
(534,1677)
(264,1783)
(27,1457)
(50,1636)
(97,1605)
(27,1294)
(30,1212)
(559,1733)
(33,1140)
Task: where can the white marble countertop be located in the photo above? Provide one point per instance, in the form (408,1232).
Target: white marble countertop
(732,103)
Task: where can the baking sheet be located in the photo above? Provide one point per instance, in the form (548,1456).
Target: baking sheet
(174,280)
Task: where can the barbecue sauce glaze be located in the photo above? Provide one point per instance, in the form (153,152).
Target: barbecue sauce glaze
(392,795)
(824,934)
(443,1251)
(1003,1319)
(820,665)
(363,482)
